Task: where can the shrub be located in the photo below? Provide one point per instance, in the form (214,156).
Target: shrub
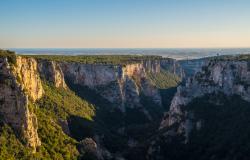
(10,55)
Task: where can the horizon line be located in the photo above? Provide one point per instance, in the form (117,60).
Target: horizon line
(126,48)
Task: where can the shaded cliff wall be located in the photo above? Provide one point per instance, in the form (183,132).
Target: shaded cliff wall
(120,84)
(227,77)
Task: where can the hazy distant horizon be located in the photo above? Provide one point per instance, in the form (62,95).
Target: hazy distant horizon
(176,53)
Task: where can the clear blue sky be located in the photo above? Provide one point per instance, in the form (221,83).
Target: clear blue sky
(124,23)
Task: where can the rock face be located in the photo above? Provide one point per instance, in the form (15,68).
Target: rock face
(26,73)
(175,67)
(14,101)
(51,71)
(227,77)
(118,84)
(192,66)
(93,151)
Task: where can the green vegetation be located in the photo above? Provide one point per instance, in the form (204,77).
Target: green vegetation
(224,133)
(58,104)
(98,59)
(62,107)
(11,56)
(11,148)
(108,118)
(241,57)
(167,83)
(55,143)
(64,103)
(86,59)
(164,79)
(225,130)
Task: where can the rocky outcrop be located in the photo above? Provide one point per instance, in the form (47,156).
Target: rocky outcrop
(26,73)
(30,126)
(227,77)
(51,71)
(134,82)
(91,150)
(14,101)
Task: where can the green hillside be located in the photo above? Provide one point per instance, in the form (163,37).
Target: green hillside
(57,104)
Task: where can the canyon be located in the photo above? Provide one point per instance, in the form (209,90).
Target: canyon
(121,88)
(219,89)
(142,109)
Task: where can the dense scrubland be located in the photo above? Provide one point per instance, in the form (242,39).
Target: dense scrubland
(98,59)
(224,133)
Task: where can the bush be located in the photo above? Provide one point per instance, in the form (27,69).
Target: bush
(11,56)
(11,148)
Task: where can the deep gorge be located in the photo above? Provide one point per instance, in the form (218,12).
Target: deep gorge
(122,107)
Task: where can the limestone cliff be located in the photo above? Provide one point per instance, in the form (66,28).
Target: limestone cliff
(120,84)
(227,77)
(18,84)
(26,73)
(51,71)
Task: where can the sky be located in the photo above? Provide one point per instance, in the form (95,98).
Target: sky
(124,23)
